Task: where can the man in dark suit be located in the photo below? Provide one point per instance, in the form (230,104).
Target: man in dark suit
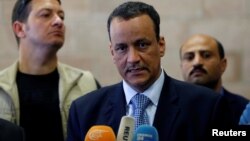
(203,62)
(10,132)
(179,111)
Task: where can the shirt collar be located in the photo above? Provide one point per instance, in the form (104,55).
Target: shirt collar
(153,92)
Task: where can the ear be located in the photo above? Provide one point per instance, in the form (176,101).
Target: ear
(111,51)
(223,65)
(162,45)
(18,29)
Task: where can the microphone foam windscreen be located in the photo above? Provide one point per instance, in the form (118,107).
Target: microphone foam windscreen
(146,133)
(100,133)
(126,129)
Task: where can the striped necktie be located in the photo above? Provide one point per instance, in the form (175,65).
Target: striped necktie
(140,102)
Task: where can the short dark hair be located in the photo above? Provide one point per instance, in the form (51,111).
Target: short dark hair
(220,49)
(21,11)
(130,10)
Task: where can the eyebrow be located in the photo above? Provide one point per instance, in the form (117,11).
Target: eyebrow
(50,9)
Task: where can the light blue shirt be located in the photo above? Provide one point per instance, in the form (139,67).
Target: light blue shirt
(153,93)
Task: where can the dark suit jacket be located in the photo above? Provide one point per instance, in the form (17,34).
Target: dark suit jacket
(185,111)
(232,108)
(10,132)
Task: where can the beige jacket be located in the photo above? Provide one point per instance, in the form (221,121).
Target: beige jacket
(73,83)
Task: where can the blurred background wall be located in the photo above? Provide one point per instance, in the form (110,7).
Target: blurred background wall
(86,45)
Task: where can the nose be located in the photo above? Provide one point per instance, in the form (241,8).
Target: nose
(133,55)
(197,60)
(58,21)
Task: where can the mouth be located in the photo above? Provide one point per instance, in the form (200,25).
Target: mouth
(198,72)
(57,33)
(136,71)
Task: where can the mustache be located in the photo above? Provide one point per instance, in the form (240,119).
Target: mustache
(198,68)
(137,66)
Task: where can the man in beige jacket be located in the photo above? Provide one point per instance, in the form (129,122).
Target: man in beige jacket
(36,91)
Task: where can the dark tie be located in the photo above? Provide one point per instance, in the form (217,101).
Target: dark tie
(245,117)
(140,102)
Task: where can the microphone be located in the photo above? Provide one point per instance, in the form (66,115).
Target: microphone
(100,133)
(146,133)
(126,129)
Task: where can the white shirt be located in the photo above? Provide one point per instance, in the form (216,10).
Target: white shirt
(153,93)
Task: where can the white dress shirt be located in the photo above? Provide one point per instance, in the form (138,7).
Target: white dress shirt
(153,93)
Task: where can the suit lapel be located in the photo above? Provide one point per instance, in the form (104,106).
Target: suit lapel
(116,107)
(167,109)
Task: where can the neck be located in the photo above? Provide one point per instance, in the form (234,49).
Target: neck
(37,61)
(216,86)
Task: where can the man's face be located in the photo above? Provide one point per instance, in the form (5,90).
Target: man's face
(45,25)
(200,61)
(136,51)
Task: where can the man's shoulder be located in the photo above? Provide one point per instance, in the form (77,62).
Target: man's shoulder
(8,76)
(190,94)
(68,68)
(233,98)
(68,71)
(9,70)
(102,93)
(83,78)
(234,95)
(188,89)
(98,98)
